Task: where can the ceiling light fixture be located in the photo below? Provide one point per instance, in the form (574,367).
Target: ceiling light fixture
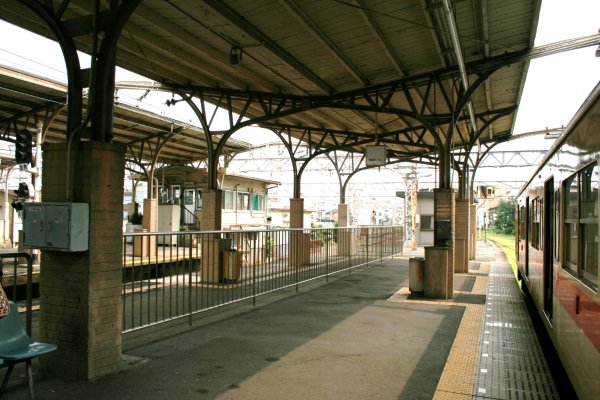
(235,55)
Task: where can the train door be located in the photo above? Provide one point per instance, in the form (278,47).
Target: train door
(548,246)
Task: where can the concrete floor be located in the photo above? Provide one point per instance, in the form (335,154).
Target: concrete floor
(336,340)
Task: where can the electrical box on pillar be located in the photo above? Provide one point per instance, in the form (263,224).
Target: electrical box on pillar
(23,147)
(56,226)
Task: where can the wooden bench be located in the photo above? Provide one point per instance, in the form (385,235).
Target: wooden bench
(16,346)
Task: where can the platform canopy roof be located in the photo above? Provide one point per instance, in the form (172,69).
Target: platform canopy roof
(337,74)
(26,99)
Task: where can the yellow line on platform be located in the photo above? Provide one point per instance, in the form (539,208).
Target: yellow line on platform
(458,377)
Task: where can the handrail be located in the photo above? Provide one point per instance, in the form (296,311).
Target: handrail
(29,283)
(196,219)
(165,280)
(278,229)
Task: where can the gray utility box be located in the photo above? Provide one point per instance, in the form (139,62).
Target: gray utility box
(56,226)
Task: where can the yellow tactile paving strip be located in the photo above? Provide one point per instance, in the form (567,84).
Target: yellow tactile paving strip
(458,377)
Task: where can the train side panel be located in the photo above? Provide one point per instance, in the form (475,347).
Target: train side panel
(557,246)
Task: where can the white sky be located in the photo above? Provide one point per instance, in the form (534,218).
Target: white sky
(557,85)
(555,88)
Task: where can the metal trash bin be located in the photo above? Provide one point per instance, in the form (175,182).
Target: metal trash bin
(416,273)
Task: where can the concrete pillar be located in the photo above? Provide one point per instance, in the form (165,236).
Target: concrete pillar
(212,247)
(211,210)
(80,293)
(150,220)
(6,207)
(435,285)
(473,231)
(443,209)
(461,236)
(296,213)
(345,235)
(299,242)
(343,215)
(145,246)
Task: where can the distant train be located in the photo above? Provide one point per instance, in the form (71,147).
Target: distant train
(557,246)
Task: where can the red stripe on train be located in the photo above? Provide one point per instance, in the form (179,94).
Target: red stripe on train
(583,309)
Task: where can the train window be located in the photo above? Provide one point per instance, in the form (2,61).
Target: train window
(522,222)
(571,213)
(588,220)
(556,224)
(538,221)
(535,224)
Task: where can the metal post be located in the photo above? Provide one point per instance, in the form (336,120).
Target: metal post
(367,244)
(297,257)
(382,243)
(189,283)
(327,256)
(254,269)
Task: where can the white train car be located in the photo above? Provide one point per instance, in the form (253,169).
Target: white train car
(557,246)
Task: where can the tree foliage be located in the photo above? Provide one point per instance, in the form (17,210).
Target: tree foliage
(504,219)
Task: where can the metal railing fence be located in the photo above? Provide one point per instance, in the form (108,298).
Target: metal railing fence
(174,275)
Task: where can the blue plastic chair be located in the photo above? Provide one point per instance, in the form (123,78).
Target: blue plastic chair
(16,346)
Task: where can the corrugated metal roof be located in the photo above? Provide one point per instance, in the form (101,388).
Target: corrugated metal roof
(36,98)
(368,67)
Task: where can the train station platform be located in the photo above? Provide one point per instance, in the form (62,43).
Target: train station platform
(361,335)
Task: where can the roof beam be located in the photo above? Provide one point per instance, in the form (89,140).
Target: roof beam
(480,17)
(436,31)
(159,22)
(269,44)
(380,37)
(321,37)
(460,61)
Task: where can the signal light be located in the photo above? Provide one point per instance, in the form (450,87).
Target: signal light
(23,190)
(23,147)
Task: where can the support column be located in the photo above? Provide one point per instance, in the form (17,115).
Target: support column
(212,246)
(461,236)
(80,293)
(435,282)
(296,213)
(145,246)
(443,209)
(7,221)
(343,215)
(211,210)
(345,236)
(299,241)
(472,231)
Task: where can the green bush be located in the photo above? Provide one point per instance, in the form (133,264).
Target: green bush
(504,221)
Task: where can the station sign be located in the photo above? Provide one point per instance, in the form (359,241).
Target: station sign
(375,156)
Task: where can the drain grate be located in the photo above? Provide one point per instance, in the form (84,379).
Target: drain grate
(511,364)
